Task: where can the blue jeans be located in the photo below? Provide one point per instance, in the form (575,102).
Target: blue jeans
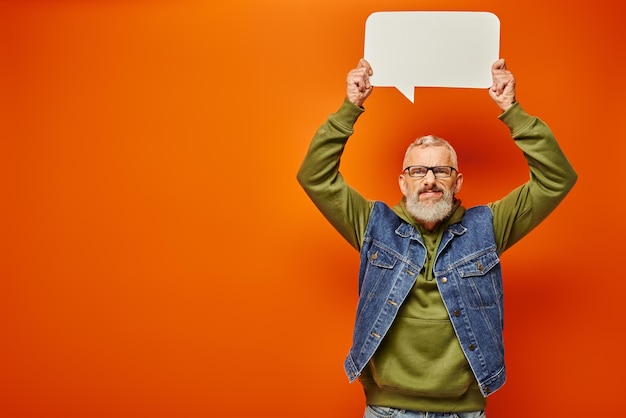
(385,412)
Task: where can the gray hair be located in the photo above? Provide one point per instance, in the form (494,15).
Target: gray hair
(432,141)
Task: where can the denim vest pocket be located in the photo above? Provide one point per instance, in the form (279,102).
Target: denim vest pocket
(380,263)
(480,281)
(381,257)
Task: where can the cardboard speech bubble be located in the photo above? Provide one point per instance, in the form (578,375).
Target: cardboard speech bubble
(431,49)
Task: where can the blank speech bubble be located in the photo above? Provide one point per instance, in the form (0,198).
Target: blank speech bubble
(431,49)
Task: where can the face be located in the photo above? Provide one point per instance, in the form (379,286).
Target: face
(428,199)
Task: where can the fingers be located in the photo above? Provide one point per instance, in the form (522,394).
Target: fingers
(360,76)
(501,77)
(358,83)
(502,90)
(359,79)
(366,65)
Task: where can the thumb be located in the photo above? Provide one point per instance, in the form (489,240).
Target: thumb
(499,65)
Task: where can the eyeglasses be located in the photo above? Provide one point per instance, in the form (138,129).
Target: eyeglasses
(419,171)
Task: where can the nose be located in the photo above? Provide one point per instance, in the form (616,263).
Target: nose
(429,178)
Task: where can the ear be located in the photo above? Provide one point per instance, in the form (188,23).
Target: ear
(402,184)
(458,183)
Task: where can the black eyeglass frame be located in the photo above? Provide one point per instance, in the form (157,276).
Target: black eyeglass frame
(437,176)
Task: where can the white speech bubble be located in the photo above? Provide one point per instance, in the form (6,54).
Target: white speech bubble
(431,49)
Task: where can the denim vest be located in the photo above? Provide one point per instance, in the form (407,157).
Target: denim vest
(469,277)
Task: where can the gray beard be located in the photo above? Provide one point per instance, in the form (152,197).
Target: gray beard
(430,212)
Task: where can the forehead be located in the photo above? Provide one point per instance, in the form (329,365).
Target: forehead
(429,156)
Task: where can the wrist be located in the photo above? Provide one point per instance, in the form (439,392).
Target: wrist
(349,111)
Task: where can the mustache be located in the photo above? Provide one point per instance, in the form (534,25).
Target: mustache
(429,189)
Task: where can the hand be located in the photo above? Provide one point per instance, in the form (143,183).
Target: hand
(358,83)
(502,90)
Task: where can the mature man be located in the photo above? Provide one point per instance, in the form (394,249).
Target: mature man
(427,339)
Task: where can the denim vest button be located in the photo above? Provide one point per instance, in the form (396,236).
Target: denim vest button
(472,347)
(457,312)
(444,280)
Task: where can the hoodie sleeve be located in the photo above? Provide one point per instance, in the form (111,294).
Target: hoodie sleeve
(321,179)
(551,179)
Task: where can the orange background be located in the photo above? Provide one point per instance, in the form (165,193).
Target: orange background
(158,258)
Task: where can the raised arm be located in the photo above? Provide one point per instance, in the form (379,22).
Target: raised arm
(551,174)
(319,173)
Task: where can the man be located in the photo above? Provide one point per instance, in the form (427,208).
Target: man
(427,339)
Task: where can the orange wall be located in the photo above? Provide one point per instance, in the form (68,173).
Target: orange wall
(157,257)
